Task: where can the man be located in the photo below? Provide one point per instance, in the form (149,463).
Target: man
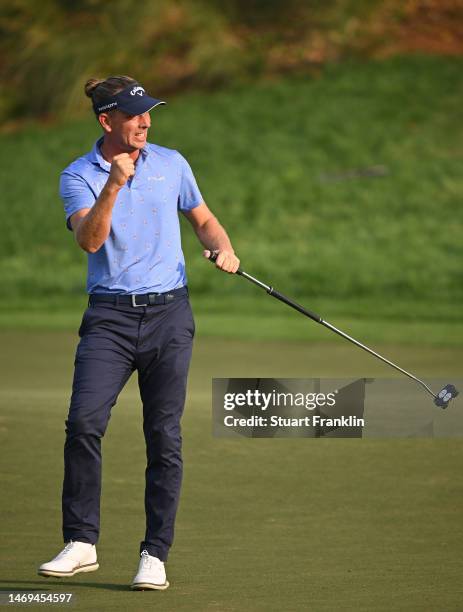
(122,201)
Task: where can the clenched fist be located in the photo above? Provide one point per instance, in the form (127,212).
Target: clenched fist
(122,168)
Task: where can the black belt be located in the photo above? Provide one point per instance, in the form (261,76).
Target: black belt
(136,299)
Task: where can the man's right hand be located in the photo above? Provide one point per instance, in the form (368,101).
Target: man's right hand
(122,168)
(92,225)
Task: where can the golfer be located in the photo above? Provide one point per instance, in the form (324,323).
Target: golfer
(121,201)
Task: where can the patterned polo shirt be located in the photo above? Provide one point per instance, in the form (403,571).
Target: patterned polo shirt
(143,252)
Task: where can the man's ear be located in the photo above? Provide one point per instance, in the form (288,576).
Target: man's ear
(105,122)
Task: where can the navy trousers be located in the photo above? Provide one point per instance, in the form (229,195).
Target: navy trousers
(116,340)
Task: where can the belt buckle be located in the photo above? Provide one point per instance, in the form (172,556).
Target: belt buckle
(134,301)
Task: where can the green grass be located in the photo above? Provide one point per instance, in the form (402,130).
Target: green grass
(264,525)
(267,159)
(284,327)
(254,316)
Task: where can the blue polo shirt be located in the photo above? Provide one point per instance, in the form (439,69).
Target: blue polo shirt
(143,252)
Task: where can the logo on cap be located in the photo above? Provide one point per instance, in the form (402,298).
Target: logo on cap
(106,106)
(137,91)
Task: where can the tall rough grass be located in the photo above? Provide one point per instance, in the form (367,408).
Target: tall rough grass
(49,49)
(285,167)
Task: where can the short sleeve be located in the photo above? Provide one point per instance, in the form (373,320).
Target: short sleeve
(75,193)
(189,196)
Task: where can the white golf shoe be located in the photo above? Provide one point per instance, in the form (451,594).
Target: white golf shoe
(151,574)
(74,558)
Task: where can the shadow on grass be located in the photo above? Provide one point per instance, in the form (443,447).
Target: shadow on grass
(68,585)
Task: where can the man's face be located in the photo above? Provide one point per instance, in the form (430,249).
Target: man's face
(127,132)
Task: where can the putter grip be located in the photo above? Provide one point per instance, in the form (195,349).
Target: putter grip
(276,294)
(213,257)
(308,313)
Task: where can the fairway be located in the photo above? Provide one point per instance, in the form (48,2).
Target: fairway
(287,524)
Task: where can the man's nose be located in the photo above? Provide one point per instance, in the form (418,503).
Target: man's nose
(144,120)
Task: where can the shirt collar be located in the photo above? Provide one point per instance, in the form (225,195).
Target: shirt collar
(97,158)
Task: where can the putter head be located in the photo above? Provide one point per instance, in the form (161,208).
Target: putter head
(444,396)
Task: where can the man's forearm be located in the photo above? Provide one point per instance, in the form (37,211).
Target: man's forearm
(94,228)
(213,236)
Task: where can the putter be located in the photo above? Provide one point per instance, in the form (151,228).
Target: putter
(441,399)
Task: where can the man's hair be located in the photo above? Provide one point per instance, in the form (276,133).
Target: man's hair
(99,90)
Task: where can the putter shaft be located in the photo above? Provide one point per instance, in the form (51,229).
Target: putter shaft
(318,319)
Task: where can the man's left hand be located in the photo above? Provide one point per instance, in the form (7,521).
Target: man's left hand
(226,260)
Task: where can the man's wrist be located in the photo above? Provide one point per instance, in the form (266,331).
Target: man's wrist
(224,249)
(111,188)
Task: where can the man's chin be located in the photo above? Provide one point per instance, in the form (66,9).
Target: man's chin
(138,143)
(131,148)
